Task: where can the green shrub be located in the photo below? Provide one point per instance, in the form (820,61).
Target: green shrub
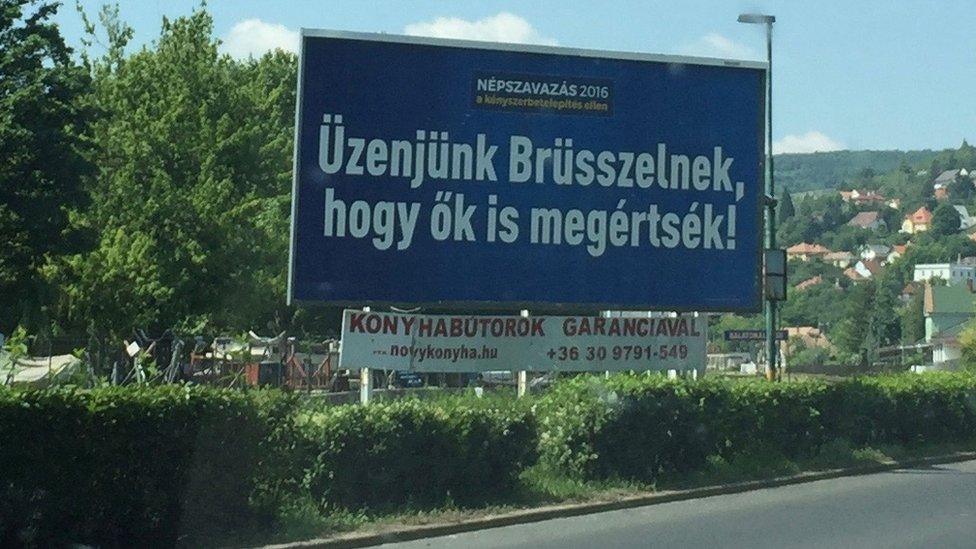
(189,465)
(638,427)
(119,466)
(412,452)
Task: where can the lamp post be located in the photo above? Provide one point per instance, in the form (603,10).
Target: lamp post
(768,20)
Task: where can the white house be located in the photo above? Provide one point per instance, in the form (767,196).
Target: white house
(965,220)
(956,274)
(867,268)
(871,252)
(839,259)
(948,176)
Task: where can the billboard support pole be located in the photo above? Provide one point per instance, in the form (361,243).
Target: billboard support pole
(770,198)
(522,378)
(771,352)
(365,380)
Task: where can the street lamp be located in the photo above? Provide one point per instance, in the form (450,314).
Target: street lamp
(768,20)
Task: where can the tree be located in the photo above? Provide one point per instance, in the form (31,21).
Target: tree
(884,324)
(913,319)
(852,332)
(961,188)
(935,169)
(786,208)
(191,196)
(967,345)
(41,121)
(945,220)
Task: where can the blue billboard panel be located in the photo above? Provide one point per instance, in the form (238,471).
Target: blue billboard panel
(474,174)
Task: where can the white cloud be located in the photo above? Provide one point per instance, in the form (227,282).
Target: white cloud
(716,45)
(812,141)
(503,27)
(255,37)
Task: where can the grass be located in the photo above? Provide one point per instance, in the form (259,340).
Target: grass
(540,486)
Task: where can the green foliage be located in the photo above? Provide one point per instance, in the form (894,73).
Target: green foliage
(417,452)
(967,345)
(913,319)
(815,356)
(190,200)
(720,323)
(945,220)
(14,347)
(41,122)
(851,331)
(161,466)
(643,428)
(828,170)
(127,466)
(786,207)
(961,189)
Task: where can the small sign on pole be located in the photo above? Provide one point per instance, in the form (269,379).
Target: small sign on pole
(752,335)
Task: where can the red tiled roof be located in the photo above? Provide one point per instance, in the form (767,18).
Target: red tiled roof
(864,219)
(804,248)
(809,282)
(921,215)
(872,265)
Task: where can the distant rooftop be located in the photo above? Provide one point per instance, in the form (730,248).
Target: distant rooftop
(865,219)
(949,299)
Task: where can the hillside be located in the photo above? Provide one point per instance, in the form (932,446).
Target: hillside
(827,170)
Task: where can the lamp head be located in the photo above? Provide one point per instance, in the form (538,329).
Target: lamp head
(757,18)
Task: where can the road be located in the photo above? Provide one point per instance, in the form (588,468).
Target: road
(925,507)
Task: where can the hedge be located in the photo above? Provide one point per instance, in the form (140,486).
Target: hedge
(189,465)
(127,466)
(639,427)
(418,452)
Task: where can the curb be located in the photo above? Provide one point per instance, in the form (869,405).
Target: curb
(536,514)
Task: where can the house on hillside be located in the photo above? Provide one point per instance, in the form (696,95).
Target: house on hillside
(862,197)
(946,307)
(853,274)
(918,221)
(909,291)
(874,252)
(966,222)
(955,274)
(839,259)
(948,310)
(867,268)
(897,251)
(948,176)
(946,349)
(808,283)
(806,252)
(867,220)
(811,336)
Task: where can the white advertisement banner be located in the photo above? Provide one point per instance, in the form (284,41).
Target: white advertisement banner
(464,343)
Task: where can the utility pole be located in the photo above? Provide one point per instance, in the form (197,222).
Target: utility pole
(770,200)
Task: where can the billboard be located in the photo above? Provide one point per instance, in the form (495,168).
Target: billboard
(459,173)
(464,343)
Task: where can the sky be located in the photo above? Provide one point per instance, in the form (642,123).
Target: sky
(846,75)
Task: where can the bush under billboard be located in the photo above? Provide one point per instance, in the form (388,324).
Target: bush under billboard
(474,174)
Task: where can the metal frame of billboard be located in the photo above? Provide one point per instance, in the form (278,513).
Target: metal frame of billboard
(540,307)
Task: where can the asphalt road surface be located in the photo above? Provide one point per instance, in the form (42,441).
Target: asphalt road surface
(925,507)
